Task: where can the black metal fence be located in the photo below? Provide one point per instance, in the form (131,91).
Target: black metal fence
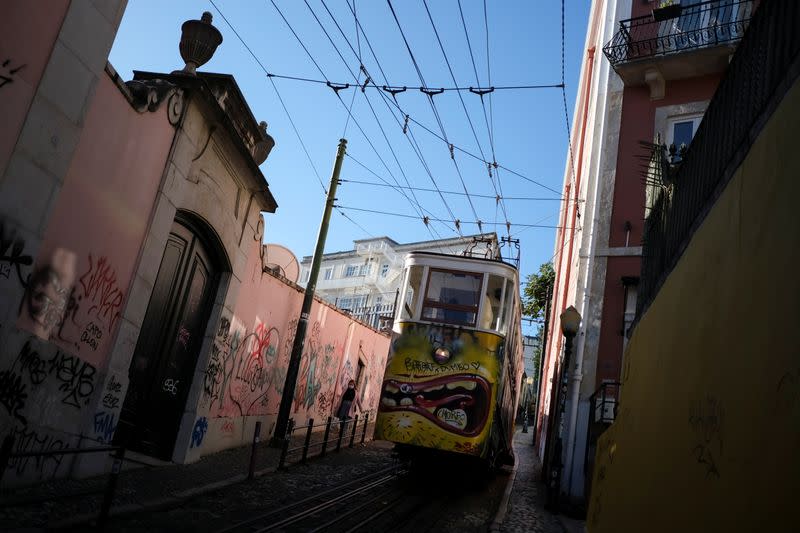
(757,73)
(679,28)
(6,455)
(315,439)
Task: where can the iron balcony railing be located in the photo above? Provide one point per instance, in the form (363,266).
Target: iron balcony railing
(763,67)
(686,27)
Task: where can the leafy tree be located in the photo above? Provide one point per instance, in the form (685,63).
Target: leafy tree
(538,289)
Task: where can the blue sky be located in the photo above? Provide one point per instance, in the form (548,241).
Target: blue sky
(527,126)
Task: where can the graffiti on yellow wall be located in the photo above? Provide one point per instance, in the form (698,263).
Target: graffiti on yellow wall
(435,401)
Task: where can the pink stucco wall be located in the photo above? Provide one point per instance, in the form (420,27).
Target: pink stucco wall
(250,354)
(28,31)
(98,225)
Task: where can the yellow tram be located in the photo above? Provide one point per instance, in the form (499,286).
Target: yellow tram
(455,363)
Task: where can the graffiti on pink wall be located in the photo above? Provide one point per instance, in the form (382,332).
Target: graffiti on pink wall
(247,369)
(244,372)
(78,315)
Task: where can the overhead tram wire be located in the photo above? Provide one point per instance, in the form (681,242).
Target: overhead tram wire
(412,140)
(463,104)
(355,121)
(473,222)
(357,78)
(457,193)
(428,215)
(285,109)
(393,102)
(480,94)
(433,107)
(491,106)
(406,87)
(411,119)
(372,109)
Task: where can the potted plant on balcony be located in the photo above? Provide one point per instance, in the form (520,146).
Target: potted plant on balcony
(667,9)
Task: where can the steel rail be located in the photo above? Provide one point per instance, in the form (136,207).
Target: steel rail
(284,509)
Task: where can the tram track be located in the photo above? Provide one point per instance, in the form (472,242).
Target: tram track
(345,503)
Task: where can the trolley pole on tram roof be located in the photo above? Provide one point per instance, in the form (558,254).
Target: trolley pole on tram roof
(302,325)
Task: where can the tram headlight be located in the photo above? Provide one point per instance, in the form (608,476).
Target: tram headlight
(441,355)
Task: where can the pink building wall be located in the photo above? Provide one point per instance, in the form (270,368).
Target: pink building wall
(97,226)
(28,31)
(245,375)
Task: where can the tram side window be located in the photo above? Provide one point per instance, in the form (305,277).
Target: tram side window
(452,297)
(492,300)
(507,306)
(414,277)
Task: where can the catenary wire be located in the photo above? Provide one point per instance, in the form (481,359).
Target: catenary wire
(372,109)
(457,193)
(433,107)
(476,223)
(355,121)
(415,146)
(461,99)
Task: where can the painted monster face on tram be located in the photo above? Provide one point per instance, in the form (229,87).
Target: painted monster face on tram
(443,404)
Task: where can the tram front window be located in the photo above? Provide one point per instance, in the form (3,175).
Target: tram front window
(452,297)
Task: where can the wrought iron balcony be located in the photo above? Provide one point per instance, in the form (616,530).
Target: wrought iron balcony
(686,27)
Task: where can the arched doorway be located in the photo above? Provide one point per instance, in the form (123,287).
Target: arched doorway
(169,342)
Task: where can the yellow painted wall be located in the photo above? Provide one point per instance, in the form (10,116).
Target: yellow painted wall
(708,433)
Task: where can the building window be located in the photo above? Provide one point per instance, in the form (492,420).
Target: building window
(329,273)
(344,303)
(680,132)
(631,286)
(365,269)
(350,271)
(306,274)
(384,270)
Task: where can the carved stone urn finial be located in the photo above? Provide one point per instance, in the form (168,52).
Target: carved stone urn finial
(199,41)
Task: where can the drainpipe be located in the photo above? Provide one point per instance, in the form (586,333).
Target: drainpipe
(577,376)
(579,362)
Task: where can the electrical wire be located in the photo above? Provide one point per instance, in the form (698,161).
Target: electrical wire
(372,109)
(412,140)
(422,89)
(477,223)
(433,108)
(457,193)
(463,104)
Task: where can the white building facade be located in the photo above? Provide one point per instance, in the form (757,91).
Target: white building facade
(365,280)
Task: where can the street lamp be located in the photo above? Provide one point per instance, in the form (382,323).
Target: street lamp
(570,324)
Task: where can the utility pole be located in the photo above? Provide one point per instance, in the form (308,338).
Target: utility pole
(308,299)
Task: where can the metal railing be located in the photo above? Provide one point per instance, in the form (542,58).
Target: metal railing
(6,455)
(296,449)
(377,316)
(757,77)
(684,28)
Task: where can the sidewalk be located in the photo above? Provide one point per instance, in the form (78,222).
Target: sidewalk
(72,501)
(525,504)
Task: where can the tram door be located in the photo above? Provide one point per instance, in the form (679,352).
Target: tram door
(166,354)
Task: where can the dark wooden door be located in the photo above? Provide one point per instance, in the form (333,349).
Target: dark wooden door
(166,354)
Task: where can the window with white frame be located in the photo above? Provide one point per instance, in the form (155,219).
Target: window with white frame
(350,271)
(344,303)
(680,132)
(306,274)
(365,269)
(328,273)
(384,270)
